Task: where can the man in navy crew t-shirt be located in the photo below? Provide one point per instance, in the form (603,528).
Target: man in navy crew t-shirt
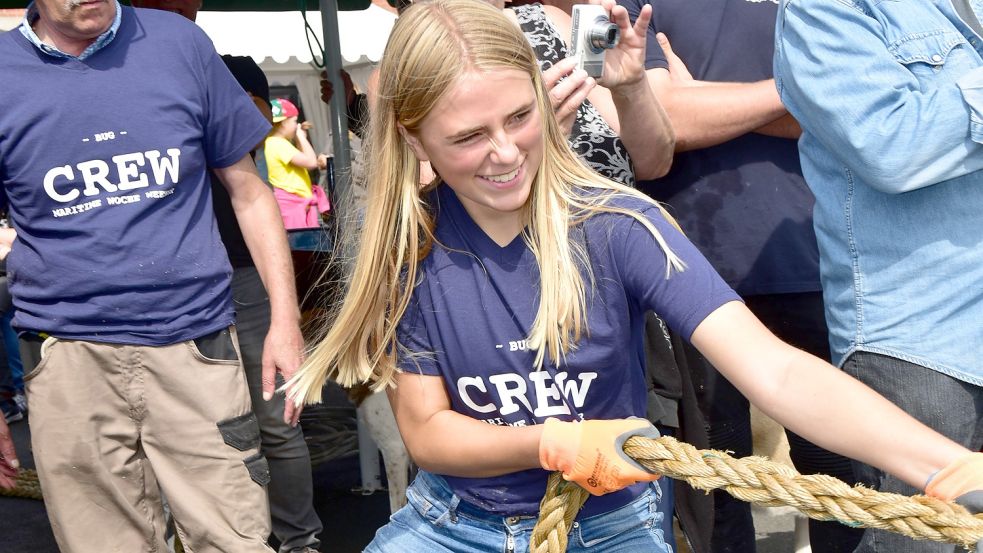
(737,190)
(119,268)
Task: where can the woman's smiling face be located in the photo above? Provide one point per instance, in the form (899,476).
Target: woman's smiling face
(484,138)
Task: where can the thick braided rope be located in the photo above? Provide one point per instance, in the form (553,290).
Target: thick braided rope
(26,485)
(763,482)
(556,513)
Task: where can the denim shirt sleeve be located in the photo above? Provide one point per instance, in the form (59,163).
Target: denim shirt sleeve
(861,97)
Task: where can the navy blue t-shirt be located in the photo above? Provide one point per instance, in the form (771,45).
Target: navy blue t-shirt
(744,203)
(476,301)
(104,165)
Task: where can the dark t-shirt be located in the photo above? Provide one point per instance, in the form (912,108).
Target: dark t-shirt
(116,239)
(744,203)
(252,79)
(475,304)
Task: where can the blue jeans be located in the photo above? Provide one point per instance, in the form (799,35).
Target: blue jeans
(291,491)
(436,520)
(949,406)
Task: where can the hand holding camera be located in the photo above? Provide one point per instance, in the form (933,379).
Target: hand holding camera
(611,49)
(568,88)
(591,34)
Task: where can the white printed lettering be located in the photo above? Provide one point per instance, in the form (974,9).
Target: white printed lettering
(552,394)
(507,395)
(571,391)
(159,165)
(49,183)
(96,175)
(78,208)
(157,194)
(126,166)
(120,200)
(544,393)
(94,172)
(473,382)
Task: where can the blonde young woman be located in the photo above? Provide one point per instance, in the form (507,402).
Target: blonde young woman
(502,306)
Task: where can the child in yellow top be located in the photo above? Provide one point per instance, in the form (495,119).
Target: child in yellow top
(289,155)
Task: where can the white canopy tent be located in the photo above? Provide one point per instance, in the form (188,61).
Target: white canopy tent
(278,43)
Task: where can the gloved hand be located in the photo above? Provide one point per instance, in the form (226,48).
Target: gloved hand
(961,481)
(589,452)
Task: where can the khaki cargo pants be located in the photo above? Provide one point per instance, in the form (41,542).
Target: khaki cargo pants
(112,425)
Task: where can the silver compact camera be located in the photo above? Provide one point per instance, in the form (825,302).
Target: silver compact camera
(593,33)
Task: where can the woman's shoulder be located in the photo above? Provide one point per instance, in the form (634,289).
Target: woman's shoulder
(621,203)
(620,215)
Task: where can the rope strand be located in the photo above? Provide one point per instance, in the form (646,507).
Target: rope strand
(762,482)
(26,485)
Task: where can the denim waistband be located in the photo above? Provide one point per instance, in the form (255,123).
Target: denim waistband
(437,489)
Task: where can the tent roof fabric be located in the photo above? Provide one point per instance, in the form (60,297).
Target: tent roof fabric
(281,36)
(241,5)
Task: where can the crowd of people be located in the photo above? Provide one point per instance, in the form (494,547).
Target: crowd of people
(755,203)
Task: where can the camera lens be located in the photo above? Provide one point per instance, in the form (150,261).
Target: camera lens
(603,35)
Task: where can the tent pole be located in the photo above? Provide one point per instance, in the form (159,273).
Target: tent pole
(339,118)
(368,452)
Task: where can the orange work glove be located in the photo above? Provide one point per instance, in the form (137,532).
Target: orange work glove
(589,452)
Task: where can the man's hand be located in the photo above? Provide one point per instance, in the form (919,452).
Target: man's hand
(678,72)
(8,457)
(327,87)
(568,94)
(283,352)
(7,237)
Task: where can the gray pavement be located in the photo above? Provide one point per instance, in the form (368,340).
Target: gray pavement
(775,530)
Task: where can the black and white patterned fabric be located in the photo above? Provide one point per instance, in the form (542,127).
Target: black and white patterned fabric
(591,138)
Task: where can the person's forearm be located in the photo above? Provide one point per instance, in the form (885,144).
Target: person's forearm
(266,239)
(855,421)
(457,445)
(262,228)
(784,127)
(443,441)
(818,401)
(707,114)
(307,158)
(645,129)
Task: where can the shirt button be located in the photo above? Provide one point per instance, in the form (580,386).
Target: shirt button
(513,520)
(936,58)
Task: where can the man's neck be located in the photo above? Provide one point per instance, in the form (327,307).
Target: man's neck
(50,35)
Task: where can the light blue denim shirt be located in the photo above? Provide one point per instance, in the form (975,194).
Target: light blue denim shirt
(890,97)
(101,41)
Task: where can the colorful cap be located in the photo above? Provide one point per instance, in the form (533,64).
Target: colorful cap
(283,109)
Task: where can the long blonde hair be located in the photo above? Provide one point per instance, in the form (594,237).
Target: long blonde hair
(432,44)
